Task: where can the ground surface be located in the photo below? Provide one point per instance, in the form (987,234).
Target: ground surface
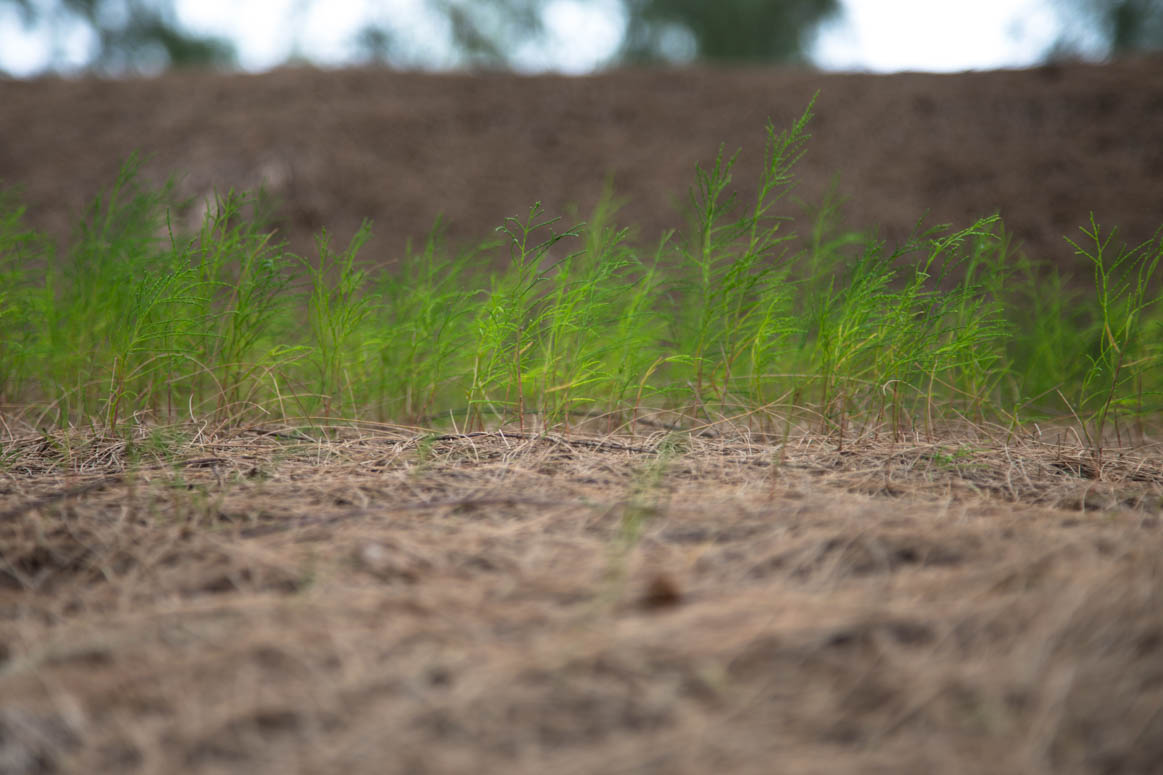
(267,601)
(385,602)
(1045,147)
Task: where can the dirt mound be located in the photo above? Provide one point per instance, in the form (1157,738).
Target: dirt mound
(1044,146)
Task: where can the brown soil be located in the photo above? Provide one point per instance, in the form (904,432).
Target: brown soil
(1044,146)
(266,602)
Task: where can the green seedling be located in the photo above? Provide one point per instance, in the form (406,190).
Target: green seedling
(744,317)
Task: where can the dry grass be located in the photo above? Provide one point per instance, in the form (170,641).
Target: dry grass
(383,601)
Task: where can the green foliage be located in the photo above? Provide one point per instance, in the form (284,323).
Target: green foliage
(20,303)
(487,32)
(739,318)
(1120,26)
(337,312)
(482,33)
(511,317)
(130,35)
(739,308)
(1124,354)
(114,314)
(146,35)
(242,281)
(420,328)
(727,30)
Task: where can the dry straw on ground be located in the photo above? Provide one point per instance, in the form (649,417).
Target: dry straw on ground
(379,600)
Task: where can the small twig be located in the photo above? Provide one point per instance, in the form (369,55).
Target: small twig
(597,444)
(453,503)
(60,495)
(291,435)
(84,489)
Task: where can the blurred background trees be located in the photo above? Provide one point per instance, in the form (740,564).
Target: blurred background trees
(1112,27)
(482,34)
(126,35)
(738,30)
(484,31)
(147,36)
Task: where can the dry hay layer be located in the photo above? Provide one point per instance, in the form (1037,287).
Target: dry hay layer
(383,601)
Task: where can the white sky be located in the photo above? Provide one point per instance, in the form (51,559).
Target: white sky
(877,35)
(892,35)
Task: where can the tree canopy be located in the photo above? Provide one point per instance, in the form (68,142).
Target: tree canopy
(740,30)
(129,35)
(145,35)
(1116,27)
